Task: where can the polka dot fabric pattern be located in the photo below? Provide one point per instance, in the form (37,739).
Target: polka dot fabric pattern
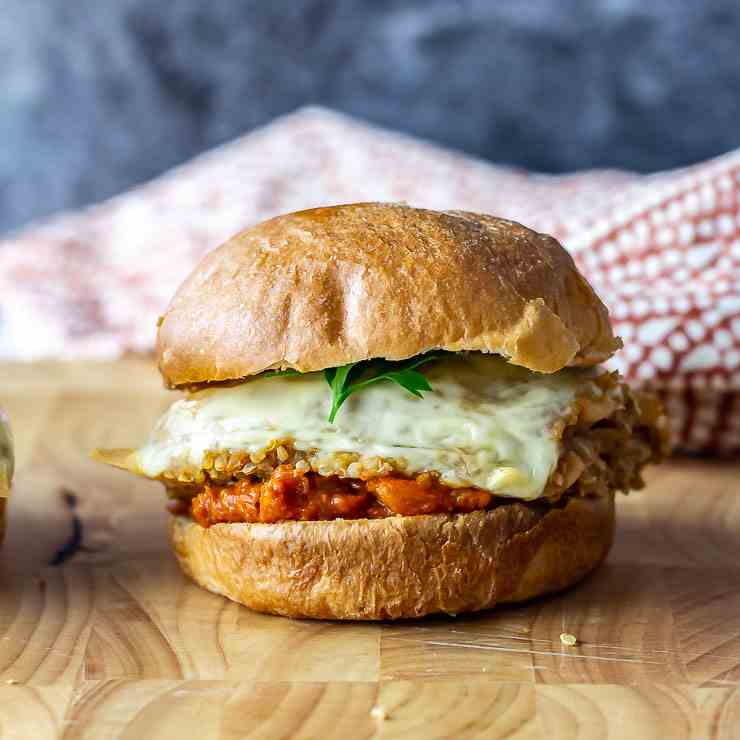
(663,251)
(664,255)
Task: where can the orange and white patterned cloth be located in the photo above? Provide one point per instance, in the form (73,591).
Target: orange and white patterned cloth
(663,251)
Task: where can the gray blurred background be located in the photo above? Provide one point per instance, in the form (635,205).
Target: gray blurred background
(101,94)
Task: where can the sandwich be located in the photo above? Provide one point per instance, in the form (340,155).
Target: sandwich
(391,412)
(6,468)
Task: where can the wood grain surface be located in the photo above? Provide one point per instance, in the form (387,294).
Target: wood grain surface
(101,637)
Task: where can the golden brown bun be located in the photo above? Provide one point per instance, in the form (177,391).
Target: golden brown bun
(399,566)
(329,286)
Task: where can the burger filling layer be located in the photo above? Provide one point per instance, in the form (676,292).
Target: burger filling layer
(264,450)
(485,424)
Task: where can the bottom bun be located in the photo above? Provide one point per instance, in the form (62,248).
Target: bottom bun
(400,566)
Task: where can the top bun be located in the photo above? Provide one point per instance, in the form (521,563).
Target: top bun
(330,286)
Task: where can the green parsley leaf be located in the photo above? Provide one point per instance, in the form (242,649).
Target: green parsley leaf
(348,379)
(338,377)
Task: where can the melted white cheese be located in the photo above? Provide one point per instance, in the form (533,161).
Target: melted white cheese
(486,423)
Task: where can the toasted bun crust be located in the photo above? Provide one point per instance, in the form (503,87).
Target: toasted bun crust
(399,566)
(329,286)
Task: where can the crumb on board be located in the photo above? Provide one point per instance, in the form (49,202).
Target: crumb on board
(378,713)
(567,639)
(11,681)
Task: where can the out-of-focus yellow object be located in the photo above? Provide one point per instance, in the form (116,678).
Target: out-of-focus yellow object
(6,467)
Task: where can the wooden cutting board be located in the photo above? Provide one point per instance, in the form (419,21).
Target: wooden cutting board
(113,642)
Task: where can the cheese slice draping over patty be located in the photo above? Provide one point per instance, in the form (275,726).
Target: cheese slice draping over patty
(486,423)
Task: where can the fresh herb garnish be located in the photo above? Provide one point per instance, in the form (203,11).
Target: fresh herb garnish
(348,379)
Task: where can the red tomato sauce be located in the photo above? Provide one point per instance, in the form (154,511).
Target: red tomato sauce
(291,494)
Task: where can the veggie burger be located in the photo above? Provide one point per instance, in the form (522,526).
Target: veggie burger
(391,412)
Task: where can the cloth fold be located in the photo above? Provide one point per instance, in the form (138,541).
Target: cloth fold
(663,250)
